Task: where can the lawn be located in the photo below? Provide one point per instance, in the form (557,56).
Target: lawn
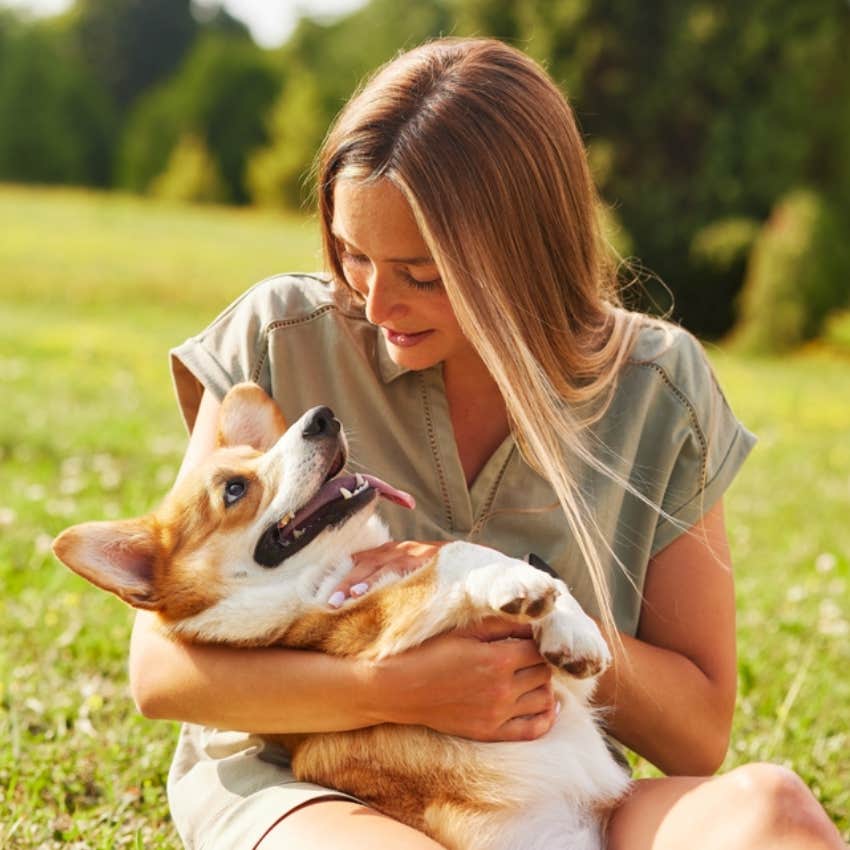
(94,290)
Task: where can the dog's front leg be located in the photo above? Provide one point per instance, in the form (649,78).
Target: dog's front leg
(471,582)
(462,585)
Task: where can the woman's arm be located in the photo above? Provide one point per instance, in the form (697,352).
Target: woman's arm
(671,690)
(670,693)
(466,686)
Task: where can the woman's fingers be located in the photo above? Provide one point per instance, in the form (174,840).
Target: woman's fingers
(528,728)
(495,628)
(397,557)
(530,679)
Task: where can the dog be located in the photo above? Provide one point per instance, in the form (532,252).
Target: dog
(245,551)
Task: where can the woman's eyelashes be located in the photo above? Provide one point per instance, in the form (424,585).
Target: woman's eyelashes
(359,261)
(420,284)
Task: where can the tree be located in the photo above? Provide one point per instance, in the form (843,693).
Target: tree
(132,44)
(220,95)
(57,124)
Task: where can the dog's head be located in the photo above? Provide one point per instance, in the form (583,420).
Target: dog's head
(266,505)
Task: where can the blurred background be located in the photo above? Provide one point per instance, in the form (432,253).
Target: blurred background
(154,163)
(719,133)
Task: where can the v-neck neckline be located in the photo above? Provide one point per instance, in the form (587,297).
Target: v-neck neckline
(467,504)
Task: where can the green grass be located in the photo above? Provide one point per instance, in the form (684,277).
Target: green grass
(93,291)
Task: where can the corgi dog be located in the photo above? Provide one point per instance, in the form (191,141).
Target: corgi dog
(245,551)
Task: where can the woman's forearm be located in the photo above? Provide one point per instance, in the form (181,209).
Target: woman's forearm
(255,690)
(664,707)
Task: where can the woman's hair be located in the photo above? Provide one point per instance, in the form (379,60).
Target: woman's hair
(486,151)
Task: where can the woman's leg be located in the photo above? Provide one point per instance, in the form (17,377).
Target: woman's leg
(341,825)
(754,807)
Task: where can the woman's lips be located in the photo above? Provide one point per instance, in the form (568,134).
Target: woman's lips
(406,340)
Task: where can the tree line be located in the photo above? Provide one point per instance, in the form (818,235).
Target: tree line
(719,133)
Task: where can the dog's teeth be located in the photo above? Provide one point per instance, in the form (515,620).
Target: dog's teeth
(359,480)
(297,533)
(346,494)
(286,520)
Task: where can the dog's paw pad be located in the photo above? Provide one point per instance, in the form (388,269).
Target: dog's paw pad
(577,667)
(532,605)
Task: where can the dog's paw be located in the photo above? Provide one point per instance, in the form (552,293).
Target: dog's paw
(569,640)
(525,594)
(519,591)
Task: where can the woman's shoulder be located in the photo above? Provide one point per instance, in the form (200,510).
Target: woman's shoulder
(672,359)
(291,297)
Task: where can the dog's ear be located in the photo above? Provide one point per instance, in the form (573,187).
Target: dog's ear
(117,556)
(248,417)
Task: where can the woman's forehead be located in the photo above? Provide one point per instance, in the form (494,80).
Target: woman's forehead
(375,217)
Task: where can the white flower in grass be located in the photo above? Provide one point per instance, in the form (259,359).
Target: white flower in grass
(796,593)
(825,562)
(71,486)
(61,507)
(42,543)
(831,622)
(110,479)
(35,492)
(72,466)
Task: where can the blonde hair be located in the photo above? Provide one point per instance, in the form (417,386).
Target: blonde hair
(487,152)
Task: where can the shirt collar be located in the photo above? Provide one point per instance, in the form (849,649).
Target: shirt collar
(389,369)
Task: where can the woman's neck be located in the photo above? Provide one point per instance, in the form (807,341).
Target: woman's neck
(478,413)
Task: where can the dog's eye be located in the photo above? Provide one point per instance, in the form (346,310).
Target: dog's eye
(234,490)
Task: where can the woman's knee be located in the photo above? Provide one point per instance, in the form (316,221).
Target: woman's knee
(774,805)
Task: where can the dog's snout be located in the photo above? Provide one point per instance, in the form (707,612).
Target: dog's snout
(321,422)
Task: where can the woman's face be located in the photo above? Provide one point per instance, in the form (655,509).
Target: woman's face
(385,258)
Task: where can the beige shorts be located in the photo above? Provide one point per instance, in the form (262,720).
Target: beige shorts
(227,789)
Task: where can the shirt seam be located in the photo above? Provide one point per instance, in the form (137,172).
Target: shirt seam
(280,324)
(484,515)
(692,416)
(435,451)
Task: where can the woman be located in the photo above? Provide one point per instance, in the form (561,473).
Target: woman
(471,339)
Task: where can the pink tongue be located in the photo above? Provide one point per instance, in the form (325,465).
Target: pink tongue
(389,492)
(331,490)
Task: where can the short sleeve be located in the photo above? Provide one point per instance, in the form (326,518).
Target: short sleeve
(711,445)
(233,348)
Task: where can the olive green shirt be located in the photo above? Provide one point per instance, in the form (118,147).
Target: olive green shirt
(668,431)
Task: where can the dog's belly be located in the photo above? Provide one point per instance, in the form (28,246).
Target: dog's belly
(466,794)
(399,771)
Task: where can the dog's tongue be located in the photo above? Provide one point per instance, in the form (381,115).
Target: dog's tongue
(337,489)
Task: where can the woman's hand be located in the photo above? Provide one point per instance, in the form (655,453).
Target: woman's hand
(488,683)
(394,557)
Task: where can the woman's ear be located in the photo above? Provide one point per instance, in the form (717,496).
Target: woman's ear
(248,417)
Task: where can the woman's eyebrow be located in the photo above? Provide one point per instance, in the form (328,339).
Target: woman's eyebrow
(408,261)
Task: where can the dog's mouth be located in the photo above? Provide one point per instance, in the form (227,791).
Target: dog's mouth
(336,501)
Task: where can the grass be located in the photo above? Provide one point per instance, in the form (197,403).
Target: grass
(94,291)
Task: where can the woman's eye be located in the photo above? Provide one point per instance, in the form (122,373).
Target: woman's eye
(422,284)
(234,490)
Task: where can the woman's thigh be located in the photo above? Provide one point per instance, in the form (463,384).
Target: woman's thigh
(342,825)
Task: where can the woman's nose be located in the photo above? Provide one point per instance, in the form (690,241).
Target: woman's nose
(382,299)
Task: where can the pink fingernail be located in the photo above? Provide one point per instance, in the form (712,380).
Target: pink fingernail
(557,708)
(359,589)
(336,599)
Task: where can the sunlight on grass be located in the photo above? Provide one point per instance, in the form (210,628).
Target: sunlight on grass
(95,291)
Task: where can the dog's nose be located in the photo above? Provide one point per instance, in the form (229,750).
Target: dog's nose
(321,422)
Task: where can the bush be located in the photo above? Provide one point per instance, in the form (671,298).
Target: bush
(191,175)
(276,175)
(798,273)
(221,95)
